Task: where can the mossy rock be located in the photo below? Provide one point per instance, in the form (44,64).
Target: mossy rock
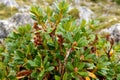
(74,12)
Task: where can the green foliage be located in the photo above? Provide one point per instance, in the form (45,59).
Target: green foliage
(56,48)
(117,1)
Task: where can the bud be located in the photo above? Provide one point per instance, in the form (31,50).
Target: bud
(35,26)
(112,41)
(74,44)
(92,26)
(87,78)
(93,49)
(75,69)
(111,52)
(85,48)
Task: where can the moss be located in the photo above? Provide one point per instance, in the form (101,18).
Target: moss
(74,12)
(6,12)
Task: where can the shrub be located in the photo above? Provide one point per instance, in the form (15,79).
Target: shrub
(55,48)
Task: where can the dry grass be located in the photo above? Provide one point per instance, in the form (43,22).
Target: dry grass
(6,12)
(108,13)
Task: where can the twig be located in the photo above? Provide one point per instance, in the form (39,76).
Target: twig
(67,54)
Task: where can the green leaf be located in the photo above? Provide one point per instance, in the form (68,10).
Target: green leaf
(6,60)
(82,25)
(90,56)
(102,72)
(50,68)
(59,56)
(51,46)
(19,53)
(69,37)
(77,35)
(70,66)
(2,75)
(2,66)
(82,42)
(84,74)
(37,60)
(45,60)
(49,11)
(90,65)
(65,76)
(72,74)
(77,78)
(111,73)
(34,74)
(117,68)
(118,77)
(81,66)
(34,17)
(18,60)
(72,26)
(11,75)
(32,63)
(66,25)
(57,77)
(41,75)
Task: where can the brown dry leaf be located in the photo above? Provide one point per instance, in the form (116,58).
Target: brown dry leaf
(23,74)
(92,75)
(93,49)
(87,78)
(75,69)
(60,40)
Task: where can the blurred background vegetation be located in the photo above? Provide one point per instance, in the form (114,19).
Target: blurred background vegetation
(107,11)
(6,12)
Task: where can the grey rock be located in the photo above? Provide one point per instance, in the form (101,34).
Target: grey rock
(85,13)
(24,8)
(77,2)
(19,19)
(3,32)
(114,31)
(9,3)
(33,1)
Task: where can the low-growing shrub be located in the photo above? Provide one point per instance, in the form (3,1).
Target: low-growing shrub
(55,48)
